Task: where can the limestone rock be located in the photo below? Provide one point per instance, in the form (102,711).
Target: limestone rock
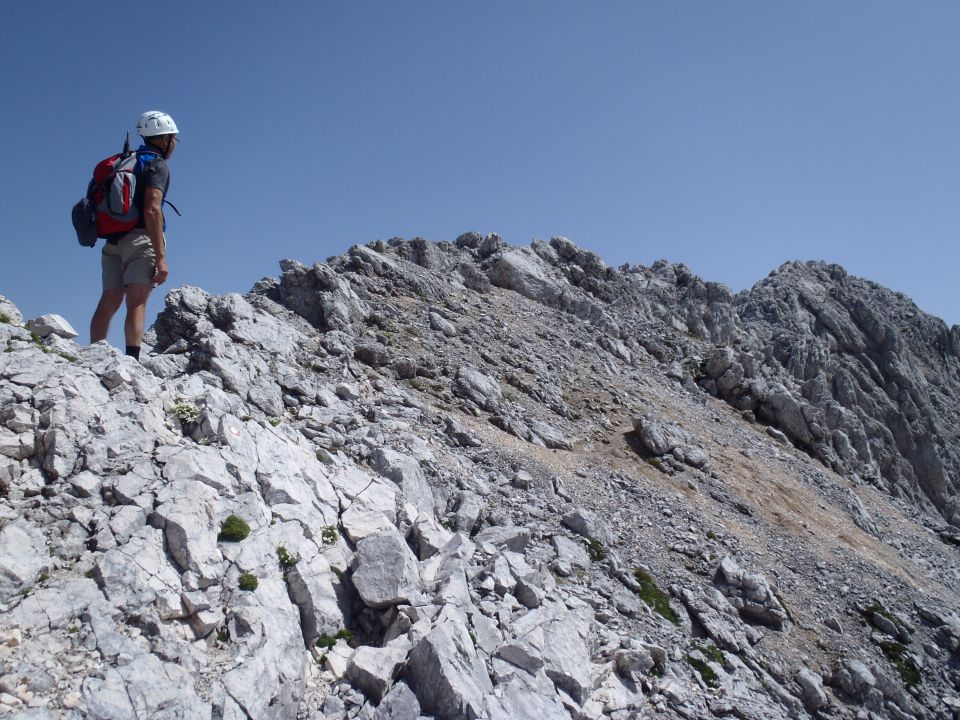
(10,311)
(442,325)
(750,594)
(509,537)
(482,389)
(814,696)
(317,592)
(386,571)
(447,675)
(23,557)
(398,704)
(51,324)
(374,669)
(406,472)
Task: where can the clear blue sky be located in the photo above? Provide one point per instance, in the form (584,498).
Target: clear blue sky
(731,136)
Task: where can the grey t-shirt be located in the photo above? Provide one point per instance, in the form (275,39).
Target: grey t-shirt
(155,174)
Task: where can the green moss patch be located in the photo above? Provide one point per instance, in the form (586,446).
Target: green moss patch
(653,596)
(712,652)
(897,654)
(248,582)
(328,641)
(705,671)
(234,529)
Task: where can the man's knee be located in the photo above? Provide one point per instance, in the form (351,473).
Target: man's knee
(137,295)
(111,300)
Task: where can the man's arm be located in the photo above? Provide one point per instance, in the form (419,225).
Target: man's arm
(153,219)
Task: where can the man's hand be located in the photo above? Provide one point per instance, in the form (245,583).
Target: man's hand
(160,276)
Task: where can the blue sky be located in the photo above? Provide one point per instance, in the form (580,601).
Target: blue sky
(731,136)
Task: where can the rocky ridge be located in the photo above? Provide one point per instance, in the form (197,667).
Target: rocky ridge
(470,480)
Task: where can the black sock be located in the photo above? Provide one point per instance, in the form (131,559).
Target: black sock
(133,351)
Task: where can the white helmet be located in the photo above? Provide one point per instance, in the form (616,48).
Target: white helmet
(154,122)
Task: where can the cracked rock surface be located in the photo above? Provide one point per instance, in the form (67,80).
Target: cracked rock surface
(476,480)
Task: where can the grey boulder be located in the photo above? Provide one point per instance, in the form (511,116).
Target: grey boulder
(386,571)
(447,674)
(23,556)
(51,324)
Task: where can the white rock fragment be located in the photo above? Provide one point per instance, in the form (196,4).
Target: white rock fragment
(51,324)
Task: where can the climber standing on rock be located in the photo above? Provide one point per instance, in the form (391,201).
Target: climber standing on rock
(134,258)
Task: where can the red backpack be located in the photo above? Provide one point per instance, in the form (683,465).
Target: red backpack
(108,207)
(111,191)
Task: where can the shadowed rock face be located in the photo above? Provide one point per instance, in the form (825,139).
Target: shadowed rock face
(855,374)
(486,481)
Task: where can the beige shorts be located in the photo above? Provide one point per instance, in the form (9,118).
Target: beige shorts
(129,261)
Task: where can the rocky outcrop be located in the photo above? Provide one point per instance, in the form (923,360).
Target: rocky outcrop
(468,480)
(855,374)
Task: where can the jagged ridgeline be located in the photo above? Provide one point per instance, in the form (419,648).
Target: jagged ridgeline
(472,480)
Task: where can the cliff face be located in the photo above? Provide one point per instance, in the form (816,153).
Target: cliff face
(477,480)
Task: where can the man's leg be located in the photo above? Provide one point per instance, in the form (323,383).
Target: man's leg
(136,313)
(110,302)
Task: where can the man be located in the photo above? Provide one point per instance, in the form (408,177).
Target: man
(135,262)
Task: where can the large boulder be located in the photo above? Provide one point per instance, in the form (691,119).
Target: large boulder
(23,557)
(480,388)
(522,271)
(51,324)
(446,672)
(386,571)
(406,472)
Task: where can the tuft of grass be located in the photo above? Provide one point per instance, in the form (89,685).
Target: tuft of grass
(48,350)
(712,652)
(328,641)
(705,671)
(274,421)
(897,654)
(287,559)
(234,529)
(329,535)
(654,597)
(876,607)
(595,549)
(248,582)
(6,319)
(337,571)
